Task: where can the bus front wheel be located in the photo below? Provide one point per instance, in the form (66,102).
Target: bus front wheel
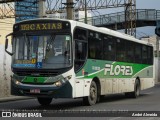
(44,101)
(92,98)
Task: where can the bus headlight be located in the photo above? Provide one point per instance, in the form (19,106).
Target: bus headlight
(58,83)
(62,80)
(17,82)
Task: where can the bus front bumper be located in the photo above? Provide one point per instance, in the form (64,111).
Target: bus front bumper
(63,91)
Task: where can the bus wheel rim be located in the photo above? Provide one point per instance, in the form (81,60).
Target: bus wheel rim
(93,93)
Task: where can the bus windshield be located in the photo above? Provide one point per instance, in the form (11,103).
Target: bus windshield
(50,51)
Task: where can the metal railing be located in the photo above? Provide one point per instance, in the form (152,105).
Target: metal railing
(119,17)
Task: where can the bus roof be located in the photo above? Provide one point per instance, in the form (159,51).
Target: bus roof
(98,29)
(112,33)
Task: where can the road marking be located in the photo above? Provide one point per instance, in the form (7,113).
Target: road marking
(116,118)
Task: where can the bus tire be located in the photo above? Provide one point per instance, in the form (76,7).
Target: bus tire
(136,91)
(92,98)
(44,101)
(127,94)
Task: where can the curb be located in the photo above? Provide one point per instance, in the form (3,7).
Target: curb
(14,98)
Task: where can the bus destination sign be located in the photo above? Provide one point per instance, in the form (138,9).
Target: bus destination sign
(41,26)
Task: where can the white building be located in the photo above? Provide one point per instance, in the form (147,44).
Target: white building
(151,39)
(77,15)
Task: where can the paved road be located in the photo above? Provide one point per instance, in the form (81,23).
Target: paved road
(149,100)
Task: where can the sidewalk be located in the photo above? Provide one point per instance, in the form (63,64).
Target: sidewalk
(14,98)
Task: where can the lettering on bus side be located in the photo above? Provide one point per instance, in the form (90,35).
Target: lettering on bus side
(117,70)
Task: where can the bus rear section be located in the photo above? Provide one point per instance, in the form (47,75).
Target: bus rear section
(114,63)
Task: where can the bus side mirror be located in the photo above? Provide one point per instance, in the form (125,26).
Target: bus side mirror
(6,46)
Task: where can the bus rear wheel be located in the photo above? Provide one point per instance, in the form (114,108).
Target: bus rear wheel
(136,91)
(44,101)
(92,98)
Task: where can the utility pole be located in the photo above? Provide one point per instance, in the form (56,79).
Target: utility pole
(130,17)
(85,9)
(69,9)
(42,8)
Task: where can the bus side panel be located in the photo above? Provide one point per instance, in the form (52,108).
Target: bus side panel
(122,85)
(87,87)
(79,86)
(146,77)
(82,87)
(131,84)
(115,85)
(146,83)
(108,88)
(102,84)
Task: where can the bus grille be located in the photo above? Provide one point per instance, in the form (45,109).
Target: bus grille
(28,73)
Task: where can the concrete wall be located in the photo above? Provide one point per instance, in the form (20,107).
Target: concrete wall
(5,72)
(6,26)
(157,68)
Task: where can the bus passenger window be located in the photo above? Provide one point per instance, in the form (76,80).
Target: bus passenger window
(129,52)
(80,34)
(150,55)
(109,48)
(120,50)
(95,45)
(92,51)
(144,56)
(80,48)
(138,53)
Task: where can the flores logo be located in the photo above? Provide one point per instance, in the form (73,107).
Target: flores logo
(117,70)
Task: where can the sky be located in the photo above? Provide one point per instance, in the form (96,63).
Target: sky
(140,4)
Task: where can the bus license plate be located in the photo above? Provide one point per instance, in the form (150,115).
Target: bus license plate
(34,90)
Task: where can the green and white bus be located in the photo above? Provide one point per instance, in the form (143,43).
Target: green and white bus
(54,58)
